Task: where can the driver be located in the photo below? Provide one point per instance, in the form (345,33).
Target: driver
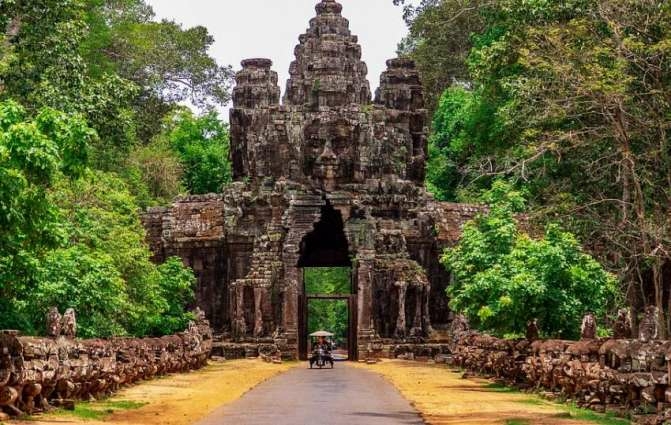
(323,343)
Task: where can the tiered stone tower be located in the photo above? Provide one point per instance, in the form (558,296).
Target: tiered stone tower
(326,178)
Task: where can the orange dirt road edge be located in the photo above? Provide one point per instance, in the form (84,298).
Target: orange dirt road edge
(179,399)
(444,398)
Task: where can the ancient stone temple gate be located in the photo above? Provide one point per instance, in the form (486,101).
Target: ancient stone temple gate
(328,177)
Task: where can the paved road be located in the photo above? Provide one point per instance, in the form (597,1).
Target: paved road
(344,395)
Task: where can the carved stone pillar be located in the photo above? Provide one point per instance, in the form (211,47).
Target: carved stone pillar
(417,321)
(400,320)
(292,277)
(239,324)
(365,301)
(426,312)
(258,312)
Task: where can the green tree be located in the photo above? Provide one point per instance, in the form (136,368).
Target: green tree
(82,278)
(160,170)
(33,154)
(439,40)
(328,280)
(71,236)
(576,105)
(101,217)
(177,284)
(109,60)
(329,315)
(170,64)
(503,277)
(48,69)
(462,118)
(202,145)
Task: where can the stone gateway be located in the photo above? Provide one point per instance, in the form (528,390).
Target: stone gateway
(326,178)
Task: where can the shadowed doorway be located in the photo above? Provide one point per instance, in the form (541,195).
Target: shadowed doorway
(328,299)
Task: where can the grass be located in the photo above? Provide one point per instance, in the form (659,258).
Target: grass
(99,410)
(572,410)
(579,413)
(534,401)
(500,388)
(598,418)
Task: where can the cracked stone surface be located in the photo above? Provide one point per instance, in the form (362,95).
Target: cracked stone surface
(328,156)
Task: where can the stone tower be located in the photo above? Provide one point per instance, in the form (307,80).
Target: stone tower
(325,178)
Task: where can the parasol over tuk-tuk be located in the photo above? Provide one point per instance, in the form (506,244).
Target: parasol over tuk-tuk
(322,344)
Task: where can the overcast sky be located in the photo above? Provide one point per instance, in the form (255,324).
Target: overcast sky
(270,28)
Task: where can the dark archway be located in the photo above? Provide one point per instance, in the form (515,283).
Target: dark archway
(327,247)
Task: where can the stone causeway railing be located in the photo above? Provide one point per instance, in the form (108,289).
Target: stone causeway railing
(628,377)
(37,374)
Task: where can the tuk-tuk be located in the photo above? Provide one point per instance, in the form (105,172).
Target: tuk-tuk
(322,345)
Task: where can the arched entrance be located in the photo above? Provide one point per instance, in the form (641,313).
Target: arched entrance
(327,283)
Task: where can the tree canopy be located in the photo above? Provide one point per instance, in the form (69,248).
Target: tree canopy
(92,130)
(504,278)
(570,101)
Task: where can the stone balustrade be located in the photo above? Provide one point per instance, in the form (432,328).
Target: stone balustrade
(38,373)
(629,377)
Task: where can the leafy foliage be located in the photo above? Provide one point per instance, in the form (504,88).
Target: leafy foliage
(569,100)
(329,315)
(33,153)
(72,237)
(49,70)
(110,61)
(159,169)
(328,280)
(107,259)
(202,144)
(504,278)
(439,40)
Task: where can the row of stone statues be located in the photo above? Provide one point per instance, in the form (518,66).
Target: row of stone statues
(61,325)
(649,328)
(37,373)
(619,375)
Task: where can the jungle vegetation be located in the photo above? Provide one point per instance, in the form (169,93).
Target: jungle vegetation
(93,130)
(567,101)
(564,104)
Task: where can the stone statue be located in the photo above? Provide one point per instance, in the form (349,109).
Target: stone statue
(199,315)
(622,326)
(588,328)
(532,330)
(649,328)
(69,324)
(54,323)
(459,325)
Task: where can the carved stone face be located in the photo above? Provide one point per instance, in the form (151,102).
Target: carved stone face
(328,152)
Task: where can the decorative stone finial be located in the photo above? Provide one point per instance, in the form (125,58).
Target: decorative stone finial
(622,325)
(69,324)
(54,323)
(262,63)
(328,6)
(650,326)
(588,328)
(532,330)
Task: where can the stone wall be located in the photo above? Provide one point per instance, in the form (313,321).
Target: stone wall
(38,373)
(628,377)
